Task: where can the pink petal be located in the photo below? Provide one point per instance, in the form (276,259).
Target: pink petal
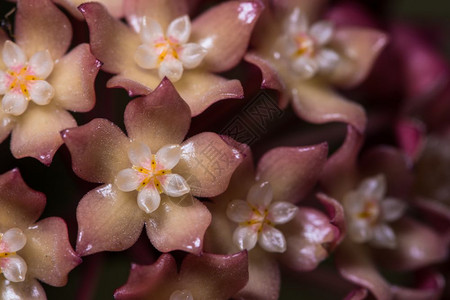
(417,246)
(307,237)
(133,87)
(6,125)
(207,163)
(48,253)
(201,89)
(270,77)
(114,7)
(357,294)
(354,264)
(410,134)
(163,11)
(176,227)
(224,31)
(159,118)
(40,25)
(112,42)
(21,206)
(98,150)
(310,8)
(29,289)
(293,171)
(264,277)
(319,104)
(36,133)
(108,220)
(340,171)
(155,280)
(212,276)
(73,79)
(360,48)
(336,213)
(431,288)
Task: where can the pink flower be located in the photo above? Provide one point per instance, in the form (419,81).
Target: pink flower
(162,42)
(257,213)
(30,250)
(114,7)
(141,187)
(303,57)
(39,82)
(207,276)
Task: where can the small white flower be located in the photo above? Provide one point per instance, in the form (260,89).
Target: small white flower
(368,212)
(13,267)
(257,218)
(152,175)
(181,295)
(304,46)
(168,53)
(24,80)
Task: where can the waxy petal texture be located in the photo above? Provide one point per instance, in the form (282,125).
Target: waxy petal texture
(115,7)
(40,25)
(28,289)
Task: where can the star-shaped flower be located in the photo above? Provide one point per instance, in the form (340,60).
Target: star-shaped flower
(39,82)
(141,187)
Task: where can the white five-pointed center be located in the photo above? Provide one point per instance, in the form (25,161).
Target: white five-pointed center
(23,80)
(151,175)
(181,295)
(257,218)
(13,267)
(170,53)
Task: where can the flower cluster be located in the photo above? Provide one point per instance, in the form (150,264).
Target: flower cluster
(122,113)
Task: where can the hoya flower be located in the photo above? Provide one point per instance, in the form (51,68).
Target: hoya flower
(39,82)
(140,187)
(208,276)
(30,250)
(161,41)
(268,223)
(368,211)
(304,57)
(114,7)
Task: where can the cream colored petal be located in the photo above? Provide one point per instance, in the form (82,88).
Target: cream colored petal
(4,86)
(41,92)
(28,289)
(260,195)
(239,211)
(359,232)
(282,212)
(140,154)
(149,199)
(12,240)
(174,185)
(322,31)
(180,29)
(13,55)
(151,30)
(305,67)
(392,209)
(373,188)
(297,22)
(327,59)
(41,64)
(128,180)
(146,57)
(272,240)
(171,68)
(6,124)
(245,237)
(181,295)
(191,55)
(384,236)
(168,156)
(14,103)
(14,268)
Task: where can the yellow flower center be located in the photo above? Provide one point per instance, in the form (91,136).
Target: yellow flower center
(19,80)
(151,175)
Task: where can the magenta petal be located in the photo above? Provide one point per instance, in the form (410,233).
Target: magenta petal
(73,79)
(212,276)
(411,137)
(340,171)
(292,172)
(21,206)
(417,246)
(98,150)
(307,237)
(40,25)
(108,220)
(48,253)
(320,104)
(207,163)
(354,264)
(270,77)
(148,280)
(224,31)
(112,42)
(176,227)
(159,118)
